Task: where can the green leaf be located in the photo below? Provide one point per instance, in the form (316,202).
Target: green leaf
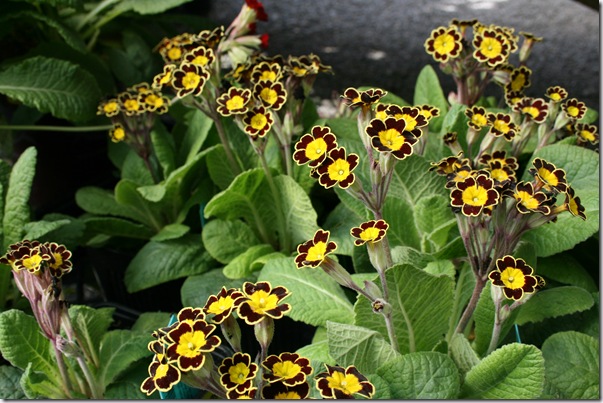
(197,129)
(571,363)
(114,226)
(422,375)
(22,342)
(241,265)
(317,351)
(37,385)
(429,91)
(226,239)
(567,270)
(16,208)
(102,202)
(315,297)
(413,181)
(298,214)
(146,212)
(339,222)
(422,303)
(91,324)
(37,229)
(9,383)
(399,214)
(118,350)
(171,231)
(127,386)
(462,354)
(147,6)
(219,168)
(50,85)
(133,62)
(149,321)
(441,268)
(159,262)
(555,302)
(163,145)
(196,289)
(434,219)
(358,346)
(514,371)
(134,169)
(409,255)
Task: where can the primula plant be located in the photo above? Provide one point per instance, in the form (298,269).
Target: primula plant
(424,250)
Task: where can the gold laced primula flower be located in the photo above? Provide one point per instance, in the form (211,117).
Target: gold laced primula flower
(352,97)
(271,94)
(258,122)
(16,251)
(520,79)
(391,136)
(514,276)
(491,47)
(556,94)
(164,78)
(288,368)
(266,71)
(586,133)
(449,165)
(502,174)
(234,102)
(280,391)
(474,194)
(190,341)
(574,109)
(412,117)
(478,117)
(513,97)
(130,103)
(444,43)
(313,252)
(163,374)
(237,373)
(573,205)
(109,108)
(536,109)
(548,176)
(59,262)
(200,56)
(371,231)
(29,257)
(462,25)
(312,148)
(499,156)
(343,383)
(189,79)
(210,39)
(260,300)
(501,125)
(154,102)
(306,66)
(222,304)
(429,111)
(337,168)
(117,133)
(529,200)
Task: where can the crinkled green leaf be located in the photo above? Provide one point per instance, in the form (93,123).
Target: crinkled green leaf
(149,321)
(422,375)
(196,289)
(91,324)
(9,383)
(146,212)
(198,127)
(434,219)
(114,226)
(37,229)
(118,350)
(226,239)
(571,363)
(339,222)
(298,213)
(164,148)
(422,304)
(567,270)
(102,202)
(554,302)
(514,371)
(171,231)
(400,216)
(356,345)
(135,169)
(16,207)
(220,171)
(37,385)
(462,353)
(315,297)
(241,265)
(429,91)
(409,255)
(413,181)
(50,85)
(159,262)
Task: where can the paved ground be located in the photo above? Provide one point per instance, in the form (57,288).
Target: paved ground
(380,42)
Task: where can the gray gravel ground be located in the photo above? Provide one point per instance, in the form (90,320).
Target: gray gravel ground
(380,42)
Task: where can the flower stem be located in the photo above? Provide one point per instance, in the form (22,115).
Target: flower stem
(65,381)
(468,312)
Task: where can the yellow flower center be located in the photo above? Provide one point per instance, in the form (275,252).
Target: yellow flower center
(348,384)
(261,301)
(154,100)
(475,196)
(381,115)
(444,44)
(479,120)
(491,47)
(391,138)
(339,170)
(461,176)
(118,134)
(259,121)
(499,174)
(501,126)
(268,75)
(573,111)
(317,252)
(32,263)
(174,53)
(166,78)
(518,83)
(290,395)
(191,80)
(300,71)
(512,278)
(238,373)
(369,234)
(525,198)
(190,343)
(555,96)
(110,107)
(548,177)
(411,122)
(531,110)
(234,103)
(269,95)
(286,369)
(222,305)
(58,259)
(587,135)
(131,105)
(316,148)
(200,60)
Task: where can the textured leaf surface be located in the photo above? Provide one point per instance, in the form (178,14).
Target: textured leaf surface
(572,364)
(118,350)
(171,231)
(514,371)
(315,297)
(566,270)
(554,302)
(100,201)
(298,213)
(91,324)
(37,229)
(241,266)
(16,208)
(227,239)
(429,91)
(9,383)
(115,226)
(50,85)
(422,375)
(462,354)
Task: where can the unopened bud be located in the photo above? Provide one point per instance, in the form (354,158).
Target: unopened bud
(373,290)
(69,348)
(381,306)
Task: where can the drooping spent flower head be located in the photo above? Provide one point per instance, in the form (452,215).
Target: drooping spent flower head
(312,253)
(514,276)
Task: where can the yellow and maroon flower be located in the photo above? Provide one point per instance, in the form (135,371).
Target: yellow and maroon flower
(477,117)
(529,200)
(154,102)
(130,104)
(314,147)
(514,276)
(306,65)
(58,261)
(288,368)
(444,43)
(210,39)
(548,175)
(474,194)
(189,79)
(459,175)
(29,257)
(573,204)
(391,136)
(266,71)
(343,383)
(501,124)
(16,252)
(371,231)
(222,304)
(491,47)
(574,109)
(312,253)
(260,300)
(352,97)
(281,391)
(513,97)
(108,108)
(462,25)
(234,102)
(337,168)
(247,395)
(520,79)
(117,133)
(429,111)
(237,372)
(164,78)
(412,117)
(499,156)
(449,165)
(258,122)
(189,342)
(503,175)
(200,56)
(271,94)
(556,94)
(172,49)
(535,109)
(586,133)
(189,314)
(163,375)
